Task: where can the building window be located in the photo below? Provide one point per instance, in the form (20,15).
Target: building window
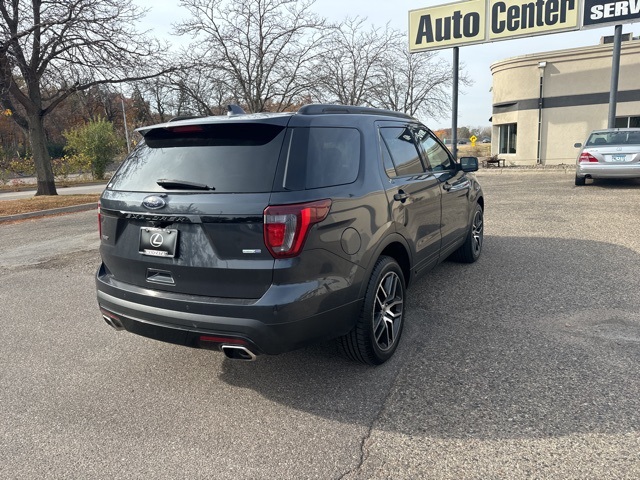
(627,122)
(508,135)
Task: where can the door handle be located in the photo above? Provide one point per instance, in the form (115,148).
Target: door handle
(457,187)
(401,196)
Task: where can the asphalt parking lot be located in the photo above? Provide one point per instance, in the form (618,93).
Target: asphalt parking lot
(523,365)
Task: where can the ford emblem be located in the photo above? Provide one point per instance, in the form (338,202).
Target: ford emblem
(153,202)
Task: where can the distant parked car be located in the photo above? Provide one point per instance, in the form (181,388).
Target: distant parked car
(486,140)
(462,142)
(610,153)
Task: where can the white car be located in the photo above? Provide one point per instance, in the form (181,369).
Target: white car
(610,153)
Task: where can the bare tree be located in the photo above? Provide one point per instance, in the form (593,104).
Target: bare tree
(372,66)
(417,84)
(50,49)
(142,111)
(158,92)
(353,60)
(203,89)
(263,50)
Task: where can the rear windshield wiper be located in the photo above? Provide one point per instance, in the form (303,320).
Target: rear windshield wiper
(182,184)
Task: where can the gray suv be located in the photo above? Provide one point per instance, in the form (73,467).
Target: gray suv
(258,234)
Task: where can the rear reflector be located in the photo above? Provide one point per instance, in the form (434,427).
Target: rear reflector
(286,226)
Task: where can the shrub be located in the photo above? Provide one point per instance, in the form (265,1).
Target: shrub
(23,166)
(75,163)
(97,142)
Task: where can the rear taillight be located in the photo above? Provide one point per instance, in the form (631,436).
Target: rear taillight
(587,158)
(99,222)
(286,226)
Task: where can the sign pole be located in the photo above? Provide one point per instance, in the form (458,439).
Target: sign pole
(454,104)
(615,74)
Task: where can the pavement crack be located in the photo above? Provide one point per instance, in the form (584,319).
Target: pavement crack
(365,442)
(364,453)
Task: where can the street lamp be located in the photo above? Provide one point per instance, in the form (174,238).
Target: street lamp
(124,118)
(541,67)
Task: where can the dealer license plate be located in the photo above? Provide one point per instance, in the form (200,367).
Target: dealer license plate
(158,242)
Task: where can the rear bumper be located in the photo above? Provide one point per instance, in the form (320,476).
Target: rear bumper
(285,318)
(599,170)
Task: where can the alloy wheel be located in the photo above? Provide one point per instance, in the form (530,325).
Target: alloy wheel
(477,232)
(387,311)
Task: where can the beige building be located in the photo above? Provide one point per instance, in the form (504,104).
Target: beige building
(546,102)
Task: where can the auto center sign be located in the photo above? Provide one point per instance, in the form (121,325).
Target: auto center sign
(480,21)
(511,19)
(447,25)
(598,13)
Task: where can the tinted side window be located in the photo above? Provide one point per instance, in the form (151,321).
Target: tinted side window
(321,157)
(403,150)
(386,158)
(232,158)
(437,157)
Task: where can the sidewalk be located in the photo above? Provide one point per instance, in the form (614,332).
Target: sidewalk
(25,194)
(54,211)
(62,190)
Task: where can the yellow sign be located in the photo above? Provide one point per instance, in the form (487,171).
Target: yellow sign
(518,18)
(460,23)
(473,139)
(479,21)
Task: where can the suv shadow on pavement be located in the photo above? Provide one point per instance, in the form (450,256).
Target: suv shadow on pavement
(514,358)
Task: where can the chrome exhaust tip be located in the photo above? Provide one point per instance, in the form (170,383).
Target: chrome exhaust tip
(238,352)
(112,322)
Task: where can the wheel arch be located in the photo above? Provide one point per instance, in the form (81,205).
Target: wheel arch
(394,246)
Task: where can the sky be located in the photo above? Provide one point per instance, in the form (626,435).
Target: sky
(474,104)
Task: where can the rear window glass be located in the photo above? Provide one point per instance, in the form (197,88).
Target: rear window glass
(230,158)
(613,138)
(321,157)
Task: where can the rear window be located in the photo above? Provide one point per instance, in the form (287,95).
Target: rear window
(230,158)
(613,138)
(321,157)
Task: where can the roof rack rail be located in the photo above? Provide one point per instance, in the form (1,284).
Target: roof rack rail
(320,108)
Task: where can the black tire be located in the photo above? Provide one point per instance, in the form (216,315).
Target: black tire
(471,249)
(377,332)
(581,181)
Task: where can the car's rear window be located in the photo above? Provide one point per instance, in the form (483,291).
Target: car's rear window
(613,138)
(230,158)
(321,157)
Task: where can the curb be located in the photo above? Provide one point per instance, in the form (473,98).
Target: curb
(54,211)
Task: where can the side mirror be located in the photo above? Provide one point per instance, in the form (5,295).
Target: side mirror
(469,164)
(577,145)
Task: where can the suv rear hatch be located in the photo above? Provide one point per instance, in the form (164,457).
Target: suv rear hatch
(184,213)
